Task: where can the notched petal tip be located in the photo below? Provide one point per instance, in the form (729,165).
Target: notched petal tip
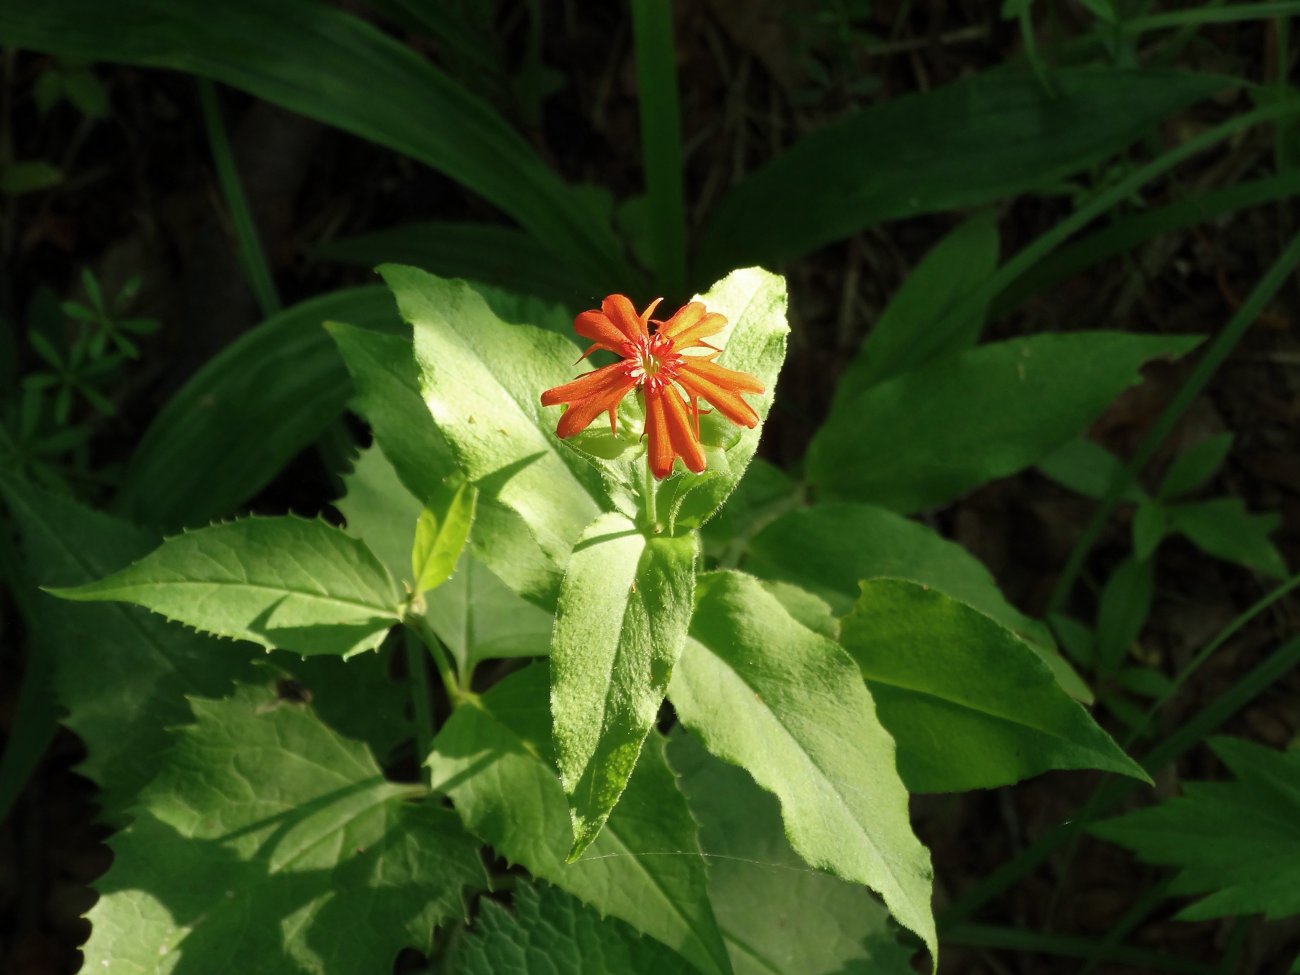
(620,312)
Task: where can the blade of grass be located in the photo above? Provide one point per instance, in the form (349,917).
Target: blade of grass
(1142,908)
(1064,946)
(964,144)
(279,385)
(1099,205)
(1208,364)
(1211,15)
(1127,233)
(1114,790)
(251,255)
(330,65)
(661,142)
(1205,653)
(477,251)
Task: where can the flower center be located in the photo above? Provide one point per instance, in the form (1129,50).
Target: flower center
(651,362)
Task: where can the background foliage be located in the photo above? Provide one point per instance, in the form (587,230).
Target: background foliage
(1032,448)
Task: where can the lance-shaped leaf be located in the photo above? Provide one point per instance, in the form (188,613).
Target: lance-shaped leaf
(285,582)
(927,304)
(440,534)
(379,511)
(777,914)
(925,437)
(1235,843)
(644,867)
(622,618)
(331,65)
(969,703)
(992,135)
(121,673)
(479,618)
(268,843)
(481,380)
(246,413)
(388,396)
(474,613)
(763,692)
(753,302)
(828,548)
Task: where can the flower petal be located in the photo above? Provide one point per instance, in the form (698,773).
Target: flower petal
(595,325)
(720,387)
(589,396)
(691,323)
(669,434)
(621,312)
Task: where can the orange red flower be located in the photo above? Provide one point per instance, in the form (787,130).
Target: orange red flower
(671,382)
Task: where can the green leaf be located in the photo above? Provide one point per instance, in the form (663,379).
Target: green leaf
(828,548)
(1076,639)
(1145,682)
(477,251)
(474,613)
(86,91)
(926,437)
(932,293)
(623,612)
(1236,842)
(1195,466)
(1088,468)
(285,582)
(379,511)
(1122,611)
(763,493)
(482,380)
(246,413)
(440,535)
(1222,527)
(776,914)
(550,931)
(329,65)
(970,705)
(33,722)
(763,692)
(356,698)
(753,302)
(994,135)
(28,176)
(1150,524)
(644,867)
(387,394)
(270,844)
(479,618)
(807,608)
(121,673)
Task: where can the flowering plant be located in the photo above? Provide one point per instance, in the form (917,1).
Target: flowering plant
(566,581)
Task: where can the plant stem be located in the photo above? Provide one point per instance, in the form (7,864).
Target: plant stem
(417,624)
(975,303)
(648,497)
(241,216)
(420,698)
